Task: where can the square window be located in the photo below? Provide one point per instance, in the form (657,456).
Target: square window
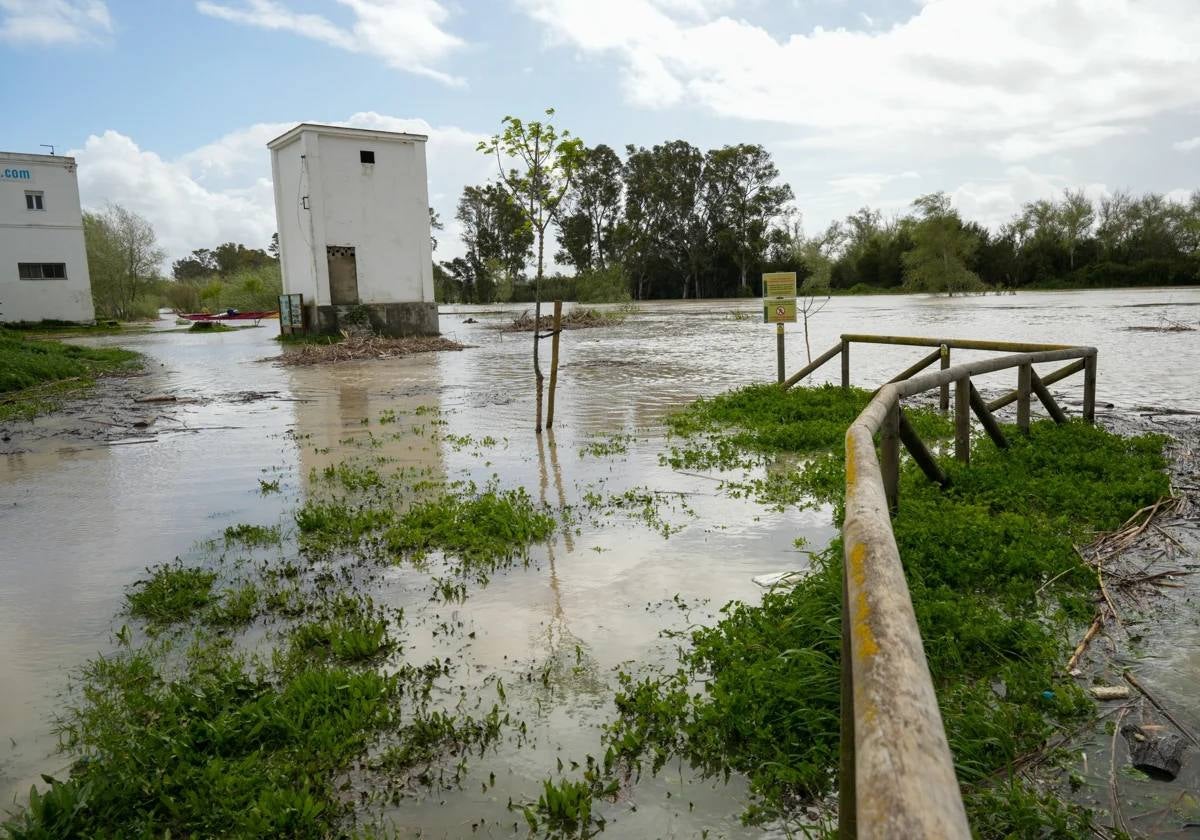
(33,200)
(365,156)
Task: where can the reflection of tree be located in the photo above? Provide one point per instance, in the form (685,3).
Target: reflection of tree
(568,663)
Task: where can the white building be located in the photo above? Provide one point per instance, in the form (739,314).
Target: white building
(43,261)
(352,207)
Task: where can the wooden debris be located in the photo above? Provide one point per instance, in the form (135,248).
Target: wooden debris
(576,319)
(1110,692)
(1156,753)
(1133,681)
(358,348)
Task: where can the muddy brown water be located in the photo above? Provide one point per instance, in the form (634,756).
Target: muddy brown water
(82,519)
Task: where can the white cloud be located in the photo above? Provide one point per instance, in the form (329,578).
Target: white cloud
(222,192)
(54,21)
(1187,145)
(995,202)
(407,34)
(868,185)
(1016,79)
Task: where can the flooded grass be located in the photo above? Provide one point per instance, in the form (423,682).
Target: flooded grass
(193,735)
(37,374)
(288,701)
(173,593)
(996,585)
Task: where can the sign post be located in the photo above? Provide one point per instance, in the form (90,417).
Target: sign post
(779,308)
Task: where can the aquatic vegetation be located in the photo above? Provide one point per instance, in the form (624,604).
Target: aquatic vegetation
(642,505)
(252,536)
(996,585)
(477,531)
(219,749)
(350,629)
(564,808)
(605,446)
(237,607)
(762,429)
(173,593)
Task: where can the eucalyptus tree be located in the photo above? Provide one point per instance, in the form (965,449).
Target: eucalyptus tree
(1077,216)
(592,210)
(743,198)
(495,234)
(537,163)
(937,262)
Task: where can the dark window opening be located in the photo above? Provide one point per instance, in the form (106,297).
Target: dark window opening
(366,157)
(33,201)
(42,271)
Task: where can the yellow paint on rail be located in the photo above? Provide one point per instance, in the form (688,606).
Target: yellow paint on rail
(851,462)
(866,644)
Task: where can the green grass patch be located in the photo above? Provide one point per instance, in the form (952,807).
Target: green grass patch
(222,749)
(479,531)
(350,629)
(998,592)
(253,536)
(173,593)
(237,607)
(36,375)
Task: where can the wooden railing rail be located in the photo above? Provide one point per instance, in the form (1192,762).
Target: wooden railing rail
(897,774)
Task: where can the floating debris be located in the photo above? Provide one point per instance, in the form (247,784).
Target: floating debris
(358,348)
(576,319)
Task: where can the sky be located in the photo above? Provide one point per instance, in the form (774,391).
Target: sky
(167,104)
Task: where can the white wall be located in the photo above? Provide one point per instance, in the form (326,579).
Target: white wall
(381,209)
(54,235)
(295,236)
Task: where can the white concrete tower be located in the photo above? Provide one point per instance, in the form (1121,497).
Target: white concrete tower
(352,207)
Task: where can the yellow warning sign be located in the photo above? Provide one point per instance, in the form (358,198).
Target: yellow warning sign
(779,297)
(777,284)
(779,310)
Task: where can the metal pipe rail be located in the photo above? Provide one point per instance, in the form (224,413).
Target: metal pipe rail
(897,774)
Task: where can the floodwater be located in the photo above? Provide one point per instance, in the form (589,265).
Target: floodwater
(80,522)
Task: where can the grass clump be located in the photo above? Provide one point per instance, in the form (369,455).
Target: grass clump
(35,375)
(173,593)
(252,536)
(739,428)
(480,531)
(998,592)
(237,608)
(219,750)
(351,629)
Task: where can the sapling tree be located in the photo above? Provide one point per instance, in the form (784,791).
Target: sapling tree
(537,163)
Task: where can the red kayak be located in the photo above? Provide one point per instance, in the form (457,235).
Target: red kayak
(230,315)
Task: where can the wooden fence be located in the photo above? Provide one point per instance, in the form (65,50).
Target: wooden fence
(897,774)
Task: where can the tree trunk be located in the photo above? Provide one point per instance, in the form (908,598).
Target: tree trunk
(537,319)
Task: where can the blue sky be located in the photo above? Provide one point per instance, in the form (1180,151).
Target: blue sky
(167,104)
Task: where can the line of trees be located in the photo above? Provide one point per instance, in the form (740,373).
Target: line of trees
(124,261)
(671,221)
(1071,241)
(668,221)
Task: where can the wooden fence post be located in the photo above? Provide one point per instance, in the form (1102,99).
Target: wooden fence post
(847,808)
(1024,386)
(1089,389)
(945,397)
(962,419)
(889,456)
(554,362)
(845,364)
